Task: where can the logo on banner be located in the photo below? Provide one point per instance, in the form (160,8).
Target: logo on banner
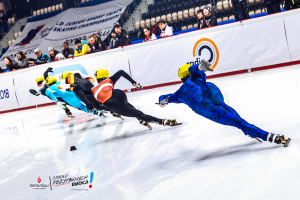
(4,94)
(205,49)
(39,185)
(30,35)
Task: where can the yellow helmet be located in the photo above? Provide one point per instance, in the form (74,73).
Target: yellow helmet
(101,73)
(50,80)
(184,71)
(66,74)
(40,79)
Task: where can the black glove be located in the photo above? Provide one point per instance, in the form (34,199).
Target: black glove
(75,85)
(90,106)
(34,92)
(49,69)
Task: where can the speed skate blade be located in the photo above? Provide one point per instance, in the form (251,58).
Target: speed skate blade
(177,124)
(150,127)
(287,142)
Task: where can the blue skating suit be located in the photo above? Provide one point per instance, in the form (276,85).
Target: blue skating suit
(56,91)
(206,99)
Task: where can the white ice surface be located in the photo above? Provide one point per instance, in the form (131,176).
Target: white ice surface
(197,160)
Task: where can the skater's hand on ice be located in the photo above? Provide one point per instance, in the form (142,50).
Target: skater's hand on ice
(90,107)
(138,86)
(164,102)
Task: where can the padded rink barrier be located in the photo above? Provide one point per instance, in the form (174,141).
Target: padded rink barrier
(270,41)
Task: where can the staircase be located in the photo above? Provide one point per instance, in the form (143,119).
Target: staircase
(15,28)
(136,16)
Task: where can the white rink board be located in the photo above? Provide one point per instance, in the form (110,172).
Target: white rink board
(197,160)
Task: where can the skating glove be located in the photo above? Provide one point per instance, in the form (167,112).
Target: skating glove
(34,92)
(204,66)
(90,106)
(164,102)
(74,85)
(49,69)
(137,86)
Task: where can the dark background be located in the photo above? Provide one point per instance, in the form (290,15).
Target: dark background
(25,7)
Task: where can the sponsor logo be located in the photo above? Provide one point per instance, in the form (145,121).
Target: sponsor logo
(60,180)
(10,130)
(205,49)
(39,185)
(4,94)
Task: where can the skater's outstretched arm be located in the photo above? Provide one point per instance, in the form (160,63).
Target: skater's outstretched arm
(196,73)
(173,98)
(118,75)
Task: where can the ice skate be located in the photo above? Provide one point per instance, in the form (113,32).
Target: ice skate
(144,123)
(205,66)
(278,139)
(117,115)
(99,113)
(170,122)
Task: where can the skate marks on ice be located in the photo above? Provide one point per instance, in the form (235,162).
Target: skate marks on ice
(237,149)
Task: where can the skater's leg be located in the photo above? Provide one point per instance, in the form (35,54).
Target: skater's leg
(118,103)
(96,104)
(230,109)
(221,115)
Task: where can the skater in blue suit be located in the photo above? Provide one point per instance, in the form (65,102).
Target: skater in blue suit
(205,99)
(54,90)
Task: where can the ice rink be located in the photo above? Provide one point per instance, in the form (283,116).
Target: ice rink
(197,160)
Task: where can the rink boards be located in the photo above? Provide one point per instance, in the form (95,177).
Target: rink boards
(197,160)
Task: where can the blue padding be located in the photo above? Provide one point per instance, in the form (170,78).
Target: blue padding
(137,41)
(227,22)
(259,15)
(6,70)
(185,31)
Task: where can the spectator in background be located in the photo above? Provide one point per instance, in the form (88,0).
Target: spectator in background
(210,19)
(67,52)
(81,48)
(95,44)
(156,30)
(273,6)
(148,35)
(22,60)
(41,58)
(17,12)
(165,29)
(55,55)
(122,36)
(9,13)
(240,8)
(11,65)
(201,20)
(113,40)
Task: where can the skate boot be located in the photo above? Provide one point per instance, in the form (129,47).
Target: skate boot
(69,114)
(278,139)
(205,66)
(117,115)
(144,123)
(170,122)
(98,113)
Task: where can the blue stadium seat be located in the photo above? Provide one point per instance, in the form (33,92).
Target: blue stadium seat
(58,11)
